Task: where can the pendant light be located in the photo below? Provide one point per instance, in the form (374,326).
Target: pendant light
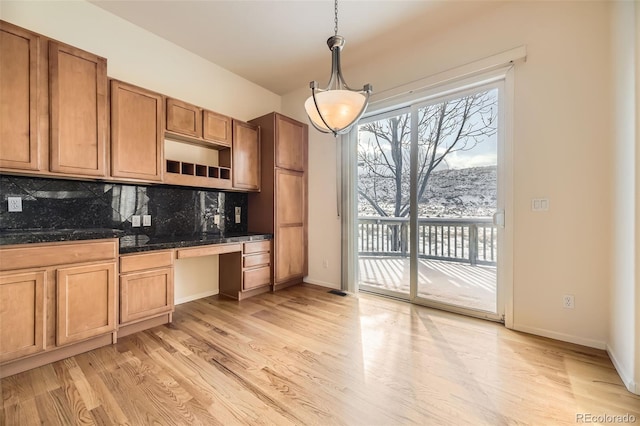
(338,107)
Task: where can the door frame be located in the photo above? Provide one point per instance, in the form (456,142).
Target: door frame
(501,76)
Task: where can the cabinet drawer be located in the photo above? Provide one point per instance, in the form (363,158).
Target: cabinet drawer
(36,256)
(256,277)
(256,260)
(139,262)
(208,250)
(257,246)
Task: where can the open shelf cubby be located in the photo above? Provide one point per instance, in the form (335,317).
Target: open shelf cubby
(190,169)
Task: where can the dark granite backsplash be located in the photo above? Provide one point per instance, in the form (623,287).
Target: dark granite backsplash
(68,204)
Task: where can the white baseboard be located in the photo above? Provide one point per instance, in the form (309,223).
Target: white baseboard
(322,283)
(626,377)
(191,297)
(592,343)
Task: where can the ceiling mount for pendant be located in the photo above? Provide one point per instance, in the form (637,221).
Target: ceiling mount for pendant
(336,108)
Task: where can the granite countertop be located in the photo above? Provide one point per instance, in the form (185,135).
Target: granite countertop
(129,243)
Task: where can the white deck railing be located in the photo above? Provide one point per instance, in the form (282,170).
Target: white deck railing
(468,240)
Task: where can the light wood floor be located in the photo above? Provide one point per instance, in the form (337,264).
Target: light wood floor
(303,356)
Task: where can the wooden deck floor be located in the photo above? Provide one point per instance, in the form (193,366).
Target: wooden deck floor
(453,283)
(302,356)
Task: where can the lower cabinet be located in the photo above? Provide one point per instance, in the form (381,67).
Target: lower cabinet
(86,302)
(248,273)
(56,300)
(22,315)
(146,286)
(256,265)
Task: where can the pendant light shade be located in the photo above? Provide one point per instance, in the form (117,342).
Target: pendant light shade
(336,108)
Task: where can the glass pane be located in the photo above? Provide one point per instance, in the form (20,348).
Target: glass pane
(383,204)
(457,197)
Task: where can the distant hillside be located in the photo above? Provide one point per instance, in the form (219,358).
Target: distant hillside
(455,193)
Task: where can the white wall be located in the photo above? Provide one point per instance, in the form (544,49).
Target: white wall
(637,277)
(562,150)
(623,328)
(142,58)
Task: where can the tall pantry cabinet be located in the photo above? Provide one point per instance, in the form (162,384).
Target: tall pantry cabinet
(281,206)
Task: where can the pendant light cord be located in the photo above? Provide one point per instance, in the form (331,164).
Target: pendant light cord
(335,20)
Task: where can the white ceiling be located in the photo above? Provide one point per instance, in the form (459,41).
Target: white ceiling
(280,45)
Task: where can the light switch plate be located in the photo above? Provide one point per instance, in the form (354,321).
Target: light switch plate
(539,204)
(135,221)
(216,219)
(146,220)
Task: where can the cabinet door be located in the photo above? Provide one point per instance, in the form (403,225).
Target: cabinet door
(290,256)
(86,302)
(18,102)
(246,156)
(290,198)
(184,118)
(22,315)
(290,144)
(136,132)
(216,128)
(78,86)
(146,294)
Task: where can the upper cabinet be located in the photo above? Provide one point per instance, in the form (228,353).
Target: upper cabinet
(58,109)
(18,104)
(53,106)
(184,118)
(192,121)
(246,156)
(78,114)
(136,132)
(290,144)
(216,128)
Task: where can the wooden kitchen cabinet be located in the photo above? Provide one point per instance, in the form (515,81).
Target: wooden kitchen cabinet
(216,128)
(290,225)
(19,85)
(86,302)
(53,107)
(78,111)
(290,142)
(184,118)
(146,286)
(281,206)
(247,272)
(136,132)
(246,156)
(22,314)
(56,300)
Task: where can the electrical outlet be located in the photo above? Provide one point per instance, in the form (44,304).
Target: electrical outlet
(238,214)
(135,221)
(568,301)
(14,204)
(216,219)
(146,220)
(325,264)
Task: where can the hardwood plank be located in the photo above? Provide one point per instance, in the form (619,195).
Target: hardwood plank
(303,356)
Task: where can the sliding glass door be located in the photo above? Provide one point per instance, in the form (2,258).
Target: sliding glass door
(429,202)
